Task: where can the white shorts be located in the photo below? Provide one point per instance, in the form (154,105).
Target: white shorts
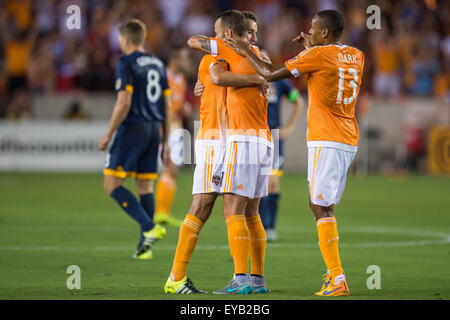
(327,174)
(247,168)
(209,158)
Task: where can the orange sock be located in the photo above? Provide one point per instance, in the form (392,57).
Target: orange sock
(328,243)
(165,194)
(187,240)
(257,244)
(239,242)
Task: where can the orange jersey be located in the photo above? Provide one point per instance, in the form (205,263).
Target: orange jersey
(212,101)
(334,77)
(247,107)
(177,84)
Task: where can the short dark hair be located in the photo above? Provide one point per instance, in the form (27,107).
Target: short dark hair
(333,21)
(135,30)
(234,20)
(250,15)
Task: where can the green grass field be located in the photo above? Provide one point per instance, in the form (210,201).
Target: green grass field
(51,221)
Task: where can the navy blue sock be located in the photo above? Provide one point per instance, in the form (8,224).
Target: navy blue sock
(130,205)
(264,212)
(148,203)
(273,205)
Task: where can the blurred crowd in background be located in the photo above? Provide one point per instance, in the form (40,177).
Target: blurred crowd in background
(409,55)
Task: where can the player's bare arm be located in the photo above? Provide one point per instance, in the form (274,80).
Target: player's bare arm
(221,77)
(165,152)
(266,69)
(265,57)
(121,109)
(201,43)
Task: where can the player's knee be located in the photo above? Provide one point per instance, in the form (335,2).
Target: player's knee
(144,186)
(252,208)
(109,185)
(321,211)
(251,213)
(228,211)
(204,213)
(202,206)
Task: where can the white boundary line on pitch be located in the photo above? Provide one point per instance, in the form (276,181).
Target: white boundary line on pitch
(225,247)
(442,238)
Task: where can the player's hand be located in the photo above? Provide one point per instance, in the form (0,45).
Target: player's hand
(238,46)
(165,155)
(103,143)
(198,89)
(265,57)
(285,132)
(263,85)
(305,39)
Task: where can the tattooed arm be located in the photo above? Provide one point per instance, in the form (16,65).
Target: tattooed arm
(200,43)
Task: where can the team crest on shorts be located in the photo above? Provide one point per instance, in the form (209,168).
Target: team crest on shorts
(217,179)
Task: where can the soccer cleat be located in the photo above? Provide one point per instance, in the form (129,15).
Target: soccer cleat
(326,280)
(235,288)
(335,290)
(143,254)
(259,289)
(165,219)
(144,251)
(154,234)
(184,286)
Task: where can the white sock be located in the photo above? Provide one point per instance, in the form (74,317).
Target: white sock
(338,279)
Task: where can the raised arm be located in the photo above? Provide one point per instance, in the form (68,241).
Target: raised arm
(201,43)
(263,67)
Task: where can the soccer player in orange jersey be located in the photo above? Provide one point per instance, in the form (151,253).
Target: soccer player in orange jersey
(210,149)
(179,62)
(334,77)
(253,220)
(268,206)
(248,157)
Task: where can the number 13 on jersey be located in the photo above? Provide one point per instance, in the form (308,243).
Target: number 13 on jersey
(353,84)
